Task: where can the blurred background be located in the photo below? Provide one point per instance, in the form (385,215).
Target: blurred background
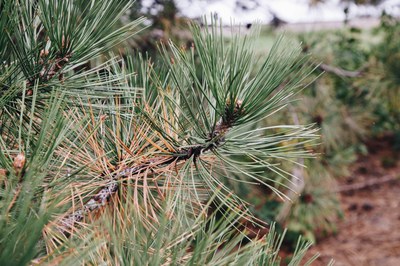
(347,199)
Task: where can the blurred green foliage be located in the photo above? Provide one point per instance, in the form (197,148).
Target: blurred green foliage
(387,61)
(355,98)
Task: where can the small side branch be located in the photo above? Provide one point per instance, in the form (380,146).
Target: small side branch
(341,72)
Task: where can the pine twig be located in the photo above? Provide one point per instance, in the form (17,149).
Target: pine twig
(102,197)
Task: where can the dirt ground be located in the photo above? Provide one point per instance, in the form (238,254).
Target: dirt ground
(369,234)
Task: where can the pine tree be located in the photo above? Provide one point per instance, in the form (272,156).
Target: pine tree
(126,161)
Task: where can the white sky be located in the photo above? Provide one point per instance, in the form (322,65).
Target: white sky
(289,10)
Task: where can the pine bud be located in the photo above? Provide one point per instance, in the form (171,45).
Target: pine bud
(44,53)
(239,104)
(19,162)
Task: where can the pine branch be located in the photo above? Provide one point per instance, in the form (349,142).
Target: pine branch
(103,196)
(196,106)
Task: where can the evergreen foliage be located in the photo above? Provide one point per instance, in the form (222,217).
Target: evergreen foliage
(131,161)
(354,101)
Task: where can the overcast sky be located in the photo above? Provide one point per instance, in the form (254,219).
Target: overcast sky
(288,10)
